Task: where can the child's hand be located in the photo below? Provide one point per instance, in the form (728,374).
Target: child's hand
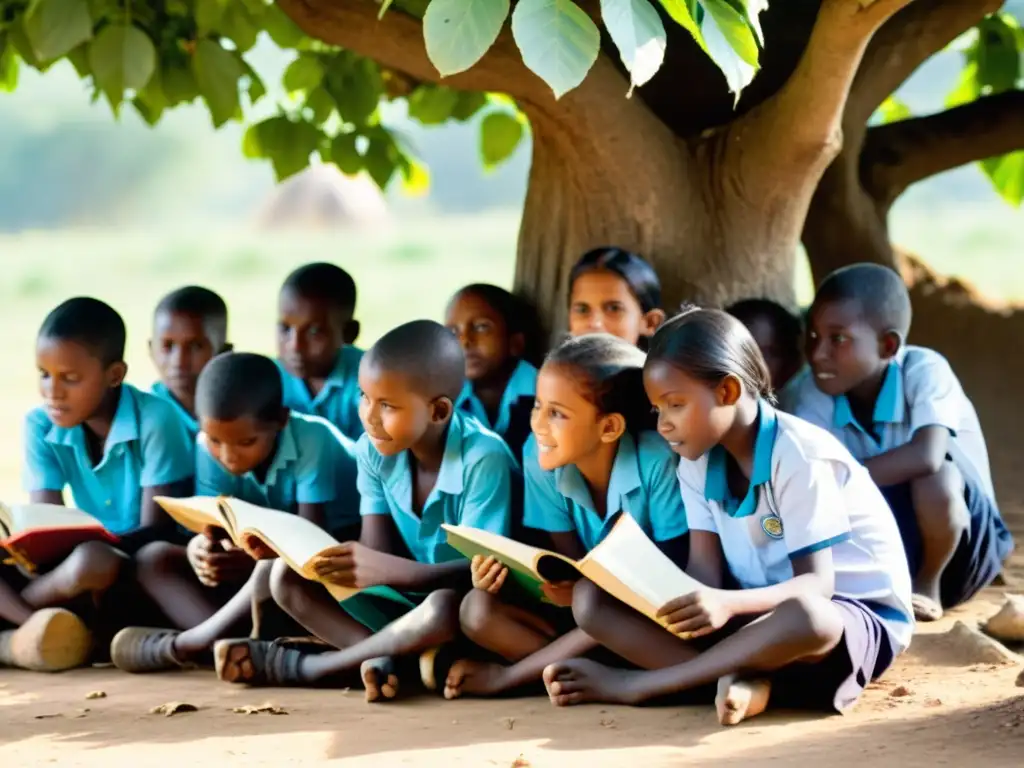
(217,561)
(352,565)
(696,614)
(488,574)
(559,592)
(257,549)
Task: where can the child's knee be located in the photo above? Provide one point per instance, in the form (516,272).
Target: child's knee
(443,606)
(286,587)
(941,496)
(814,620)
(159,559)
(587,601)
(476,612)
(93,566)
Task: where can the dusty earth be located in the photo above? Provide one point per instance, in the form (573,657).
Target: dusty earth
(944,703)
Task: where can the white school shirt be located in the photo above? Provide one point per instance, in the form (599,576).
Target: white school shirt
(919,390)
(807,493)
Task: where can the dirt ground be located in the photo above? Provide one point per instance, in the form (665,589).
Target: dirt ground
(942,704)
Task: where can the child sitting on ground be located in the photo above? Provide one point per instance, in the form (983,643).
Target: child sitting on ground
(190,327)
(824,601)
(421,464)
(315,333)
(779,335)
(617,292)
(901,410)
(499,337)
(251,448)
(116,448)
(588,461)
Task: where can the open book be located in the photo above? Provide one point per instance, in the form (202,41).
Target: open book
(41,534)
(627,565)
(296,540)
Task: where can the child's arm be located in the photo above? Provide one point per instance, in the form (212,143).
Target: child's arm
(922,456)
(47,497)
(42,475)
(154,523)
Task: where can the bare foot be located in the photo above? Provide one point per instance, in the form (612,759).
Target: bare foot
(738,700)
(926,608)
(580,680)
(380,678)
(474,678)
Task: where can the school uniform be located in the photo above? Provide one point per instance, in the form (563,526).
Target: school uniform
(313,463)
(513,418)
(338,401)
(807,493)
(191,423)
(642,484)
(920,390)
(475,486)
(147,446)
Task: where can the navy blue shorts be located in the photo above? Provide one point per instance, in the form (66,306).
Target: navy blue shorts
(983,548)
(835,683)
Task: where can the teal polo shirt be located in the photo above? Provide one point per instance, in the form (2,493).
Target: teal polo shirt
(313,463)
(643,484)
(474,487)
(338,401)
(191,423)
(148,445)
(522,383)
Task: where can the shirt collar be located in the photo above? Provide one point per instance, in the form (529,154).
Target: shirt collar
(346,368)
(522,383)
(625,478)
(160,390)
(287,452)
(716,483)
(124,427)
(449,476)
(889,406)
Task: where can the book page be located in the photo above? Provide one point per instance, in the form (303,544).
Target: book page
(194,512)
(296,540)
(630,567)
(37,517)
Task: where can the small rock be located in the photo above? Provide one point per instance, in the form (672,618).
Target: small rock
(260,709)
(47,717)
(96,695)
(173,708)
(609,723)
(510,722)
(900,691)
(1008,623)
(521,762)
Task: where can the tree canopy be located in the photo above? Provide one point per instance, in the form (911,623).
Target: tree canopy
(153,56)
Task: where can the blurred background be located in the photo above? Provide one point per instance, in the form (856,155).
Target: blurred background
(124,212)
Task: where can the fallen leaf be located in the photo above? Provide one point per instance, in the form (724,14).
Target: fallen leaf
(254,709)
(901,691)
(173,708)
(96,695)
(510,722)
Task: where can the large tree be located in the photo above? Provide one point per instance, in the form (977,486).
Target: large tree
(744,120)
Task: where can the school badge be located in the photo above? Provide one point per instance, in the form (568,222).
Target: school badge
(772,526)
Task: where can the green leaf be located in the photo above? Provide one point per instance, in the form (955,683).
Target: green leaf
(751,10)
(500,134)
(998,54)
(256,90)
(380,160)
(893,110)
(320,103)
(121,57)
(636,29)
(469,103)
(251,147)
(431,104)
(240,26)
(459,32)
(208,14)
(1007,176)
(384,9)
(8,66)
(559,42)
(179,84)
(345,155)
(967,88)
(150,102)
(54,27)
(731,44)
(287,143)
(79,58)
(685,14)
(415,177)
(217,72)
(356,85)
(304,74)
(17,38)
(282,30)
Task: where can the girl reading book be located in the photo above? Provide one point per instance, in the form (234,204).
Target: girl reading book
(588,461)
(824,601)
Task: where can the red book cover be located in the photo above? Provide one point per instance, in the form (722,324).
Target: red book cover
(46,546)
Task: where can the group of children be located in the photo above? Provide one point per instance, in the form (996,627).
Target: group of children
(823,506)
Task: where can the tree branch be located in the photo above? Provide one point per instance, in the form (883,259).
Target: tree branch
(783,146)
(902,45)
(897,155)
(396,41)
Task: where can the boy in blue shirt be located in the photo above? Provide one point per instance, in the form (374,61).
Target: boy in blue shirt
(190,327)
(779,335)
(421,464)
(251,448)
(901,411)
(116,448)
(315,331)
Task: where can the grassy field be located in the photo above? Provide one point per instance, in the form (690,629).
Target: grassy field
(404,271)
